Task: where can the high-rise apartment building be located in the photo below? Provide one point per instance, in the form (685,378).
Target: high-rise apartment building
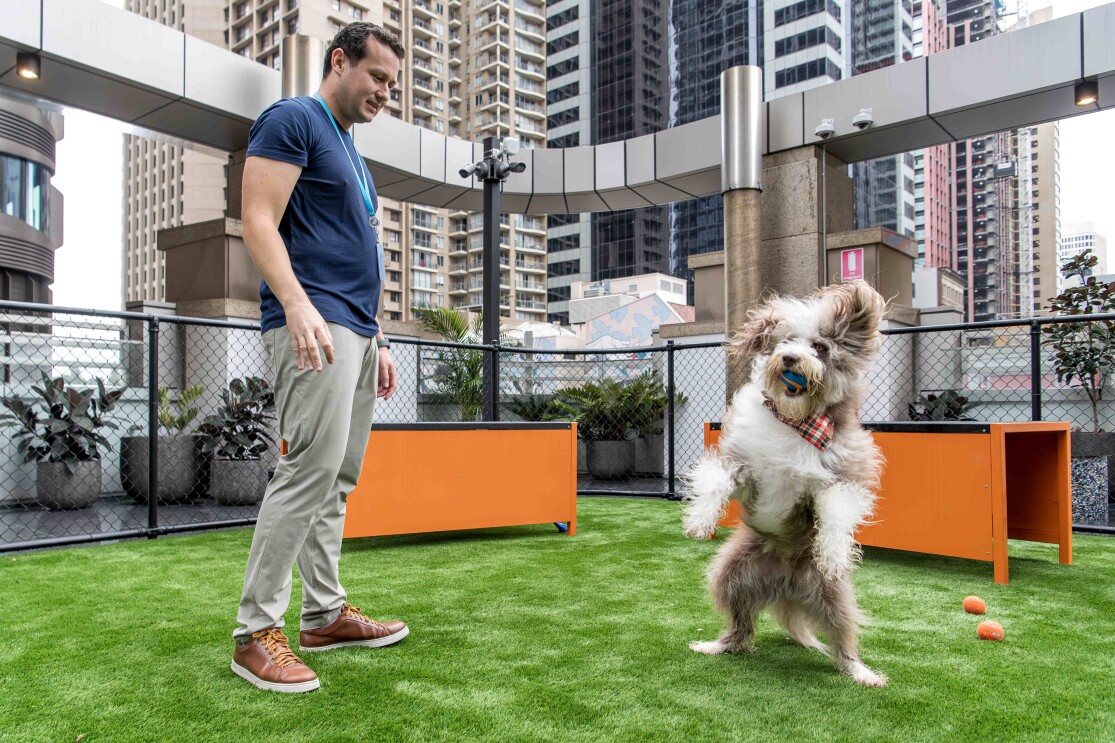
(881,34)
(168,185)
(569,94)
(706,38)
(1076,237)
(473,69)
(932,210)
(984,191)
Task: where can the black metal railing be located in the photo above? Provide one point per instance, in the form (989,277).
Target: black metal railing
(88,470)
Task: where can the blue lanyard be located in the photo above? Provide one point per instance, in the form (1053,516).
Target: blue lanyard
(362,179)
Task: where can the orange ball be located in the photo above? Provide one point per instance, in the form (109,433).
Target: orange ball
(975,605)
(990,630)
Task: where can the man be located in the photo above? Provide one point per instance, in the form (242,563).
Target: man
(310,225)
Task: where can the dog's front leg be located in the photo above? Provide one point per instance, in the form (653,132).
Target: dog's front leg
(708,486)
(839,509)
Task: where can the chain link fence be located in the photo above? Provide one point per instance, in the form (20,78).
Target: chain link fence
(101,409)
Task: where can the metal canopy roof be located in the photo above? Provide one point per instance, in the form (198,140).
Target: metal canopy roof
(115,63)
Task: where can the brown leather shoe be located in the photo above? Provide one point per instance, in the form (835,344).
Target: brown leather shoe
(267,662)
(352,629)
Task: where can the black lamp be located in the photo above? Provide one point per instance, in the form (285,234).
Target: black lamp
(28,65)
(1087,92)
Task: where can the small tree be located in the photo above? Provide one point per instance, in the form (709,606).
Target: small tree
(1083,352)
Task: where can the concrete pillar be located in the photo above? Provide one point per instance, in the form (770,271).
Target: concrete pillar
(741,106)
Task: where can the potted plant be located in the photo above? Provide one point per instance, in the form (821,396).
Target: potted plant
(62,437)
(236,435)
(949,405)
(611,416)
(179,461)
(1084,357)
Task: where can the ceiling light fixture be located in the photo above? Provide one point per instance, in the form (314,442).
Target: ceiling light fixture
(28,65)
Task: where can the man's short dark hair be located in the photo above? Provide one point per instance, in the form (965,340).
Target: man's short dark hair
(353,40)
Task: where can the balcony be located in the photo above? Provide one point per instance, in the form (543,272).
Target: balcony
(423,8)
(530,266)
(423,47)
(423,28)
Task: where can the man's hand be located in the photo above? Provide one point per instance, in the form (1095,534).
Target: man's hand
(388,379)
(307,331)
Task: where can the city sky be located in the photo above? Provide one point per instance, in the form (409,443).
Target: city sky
(90,156)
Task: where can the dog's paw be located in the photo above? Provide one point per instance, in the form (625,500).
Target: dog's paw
(710,647)
(864,676)
(698,530)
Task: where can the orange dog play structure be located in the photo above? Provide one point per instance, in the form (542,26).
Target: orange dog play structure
(963,489)
(427,477)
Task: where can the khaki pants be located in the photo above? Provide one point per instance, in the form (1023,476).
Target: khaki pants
(325,418)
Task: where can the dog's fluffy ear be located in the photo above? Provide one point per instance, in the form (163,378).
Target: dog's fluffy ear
(754,337)
(857,310)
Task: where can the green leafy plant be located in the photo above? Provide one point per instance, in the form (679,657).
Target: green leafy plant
(950,405)
(1083,352)
(615,411)
(177,416)
(535,408)
(459,376)
(63,427)
(241,427)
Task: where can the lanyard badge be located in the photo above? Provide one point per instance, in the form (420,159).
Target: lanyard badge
(361,180)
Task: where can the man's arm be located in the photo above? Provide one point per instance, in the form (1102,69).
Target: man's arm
(268,185)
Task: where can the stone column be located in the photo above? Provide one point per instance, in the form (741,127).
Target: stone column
(741,107)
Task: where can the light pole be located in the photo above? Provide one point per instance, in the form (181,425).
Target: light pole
(493,169)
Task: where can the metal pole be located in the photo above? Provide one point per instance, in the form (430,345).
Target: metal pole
(670,416)
(741,107)
(302,60)
(1035,370)
(491,274)
(153,425)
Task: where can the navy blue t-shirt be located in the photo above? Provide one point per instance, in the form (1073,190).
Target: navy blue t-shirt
(325,227)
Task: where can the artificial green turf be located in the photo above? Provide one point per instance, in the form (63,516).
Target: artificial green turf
(524,634)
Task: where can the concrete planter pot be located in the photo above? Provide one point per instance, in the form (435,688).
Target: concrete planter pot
(611,460)
(179,468)
(650,455)
(1093,486)
(238,482)
(60,490)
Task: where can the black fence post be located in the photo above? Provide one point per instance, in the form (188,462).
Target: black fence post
(1035,370)
(495,381)
(670,416)
(153,426)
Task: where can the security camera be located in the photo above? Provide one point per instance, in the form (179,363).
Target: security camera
(863,119)
(510,146)
(467,170)
(825,129)
(519,167)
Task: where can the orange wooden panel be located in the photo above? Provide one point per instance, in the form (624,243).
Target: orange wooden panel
(733,517)
(441,480)
(935,495)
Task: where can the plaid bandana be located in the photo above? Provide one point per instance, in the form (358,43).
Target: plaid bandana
(816,429)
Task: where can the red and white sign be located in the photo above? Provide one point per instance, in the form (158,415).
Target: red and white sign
(851,264)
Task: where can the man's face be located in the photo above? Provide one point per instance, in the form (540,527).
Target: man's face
(365,87)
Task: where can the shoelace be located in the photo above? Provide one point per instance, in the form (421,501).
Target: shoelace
(277,646)
(354,611)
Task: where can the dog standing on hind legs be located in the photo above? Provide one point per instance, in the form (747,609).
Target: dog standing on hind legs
(793,453)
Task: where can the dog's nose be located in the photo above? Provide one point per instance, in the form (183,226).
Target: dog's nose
(789,360)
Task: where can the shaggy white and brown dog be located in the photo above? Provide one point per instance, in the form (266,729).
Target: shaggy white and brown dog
(794,455)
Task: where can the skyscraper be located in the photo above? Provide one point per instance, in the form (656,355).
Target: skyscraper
(630,98)
(472,70)
(168,185)
(881,35)
(569,124)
